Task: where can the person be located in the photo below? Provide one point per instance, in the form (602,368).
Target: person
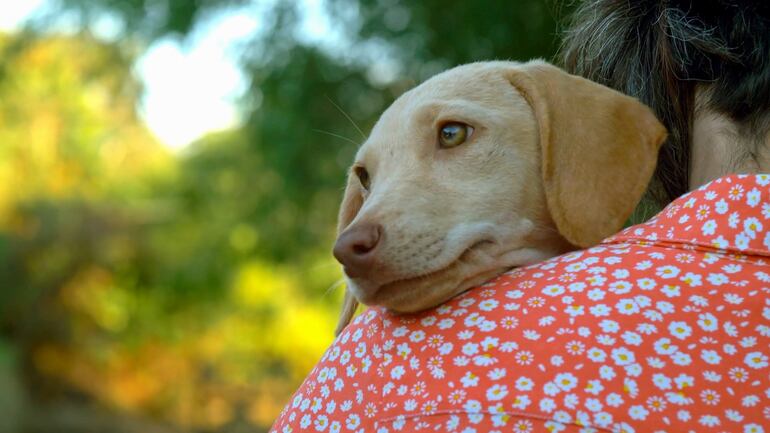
(664,327)
(702,66)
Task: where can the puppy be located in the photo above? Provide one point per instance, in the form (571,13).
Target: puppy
(483,168)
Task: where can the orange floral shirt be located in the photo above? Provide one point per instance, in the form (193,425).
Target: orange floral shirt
(664,327)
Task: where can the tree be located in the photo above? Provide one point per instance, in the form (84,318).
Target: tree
(304,93)
(192,288)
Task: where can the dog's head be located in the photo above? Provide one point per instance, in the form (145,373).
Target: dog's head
(482,168)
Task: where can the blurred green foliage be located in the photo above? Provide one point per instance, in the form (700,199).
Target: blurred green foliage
(195,290)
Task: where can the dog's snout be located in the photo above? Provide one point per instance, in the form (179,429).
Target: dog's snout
(356,248)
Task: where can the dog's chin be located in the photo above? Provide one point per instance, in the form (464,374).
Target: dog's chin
(433,288)
(414,296)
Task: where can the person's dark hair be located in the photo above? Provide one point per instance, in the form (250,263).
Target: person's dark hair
(659,51)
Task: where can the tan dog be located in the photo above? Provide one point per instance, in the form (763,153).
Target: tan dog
(486,167)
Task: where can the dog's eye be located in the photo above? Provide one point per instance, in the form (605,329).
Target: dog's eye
(454,134)
(363,177)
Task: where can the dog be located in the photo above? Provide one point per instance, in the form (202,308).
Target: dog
(482,168)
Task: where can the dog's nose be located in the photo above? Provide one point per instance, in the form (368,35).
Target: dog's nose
(356,248)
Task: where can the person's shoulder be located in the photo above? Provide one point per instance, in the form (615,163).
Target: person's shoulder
(337,390)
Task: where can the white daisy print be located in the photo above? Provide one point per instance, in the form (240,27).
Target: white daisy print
(756,360)
(497,392)
(679,330)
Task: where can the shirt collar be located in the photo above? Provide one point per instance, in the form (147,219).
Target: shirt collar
(731,213)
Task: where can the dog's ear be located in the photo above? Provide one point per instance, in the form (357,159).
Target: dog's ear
(349,307)
(351,204)
(352,201)
(599,149)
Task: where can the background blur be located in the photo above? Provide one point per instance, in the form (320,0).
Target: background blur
(170,172)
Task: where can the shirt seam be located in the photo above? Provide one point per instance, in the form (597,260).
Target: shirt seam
(691,243)
(526,415)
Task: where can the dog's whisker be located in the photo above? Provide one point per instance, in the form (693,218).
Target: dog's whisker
(347,116)
(341,137)
(333,287)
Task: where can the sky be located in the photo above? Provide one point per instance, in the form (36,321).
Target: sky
(189,90)
(193,89)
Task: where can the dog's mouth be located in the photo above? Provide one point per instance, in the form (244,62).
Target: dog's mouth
(425,276)
(403,294)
